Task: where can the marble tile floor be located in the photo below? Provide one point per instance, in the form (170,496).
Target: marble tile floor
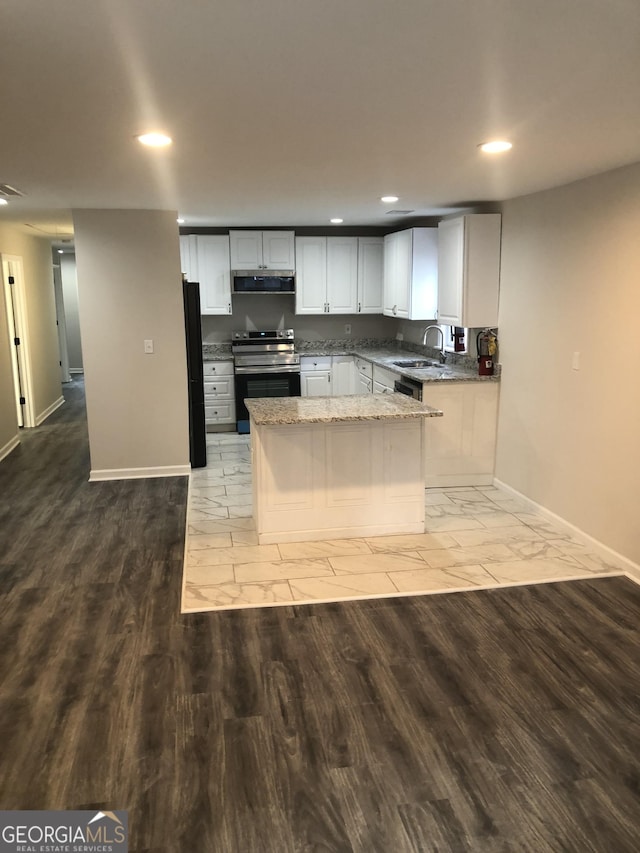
(475,537)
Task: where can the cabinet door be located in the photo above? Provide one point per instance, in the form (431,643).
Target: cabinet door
(214,275)
(278,252)
(316,384)
(343,375)
(311,275)
(383,380)
(403,273)
(246,250)
(189,256)
(342,275)
(450,271)
(390,275)
(364,384)
(370,275)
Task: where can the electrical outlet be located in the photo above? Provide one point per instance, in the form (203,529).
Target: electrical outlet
(399,336)
(148,346)
(347,328)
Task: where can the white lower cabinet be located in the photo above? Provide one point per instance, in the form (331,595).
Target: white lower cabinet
(315,376)
(343,375)
(460,447)
(383,380)
(219,393)
(364,376)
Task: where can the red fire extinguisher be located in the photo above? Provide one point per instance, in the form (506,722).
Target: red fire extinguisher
(487,344)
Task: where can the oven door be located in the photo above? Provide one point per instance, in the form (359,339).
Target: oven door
(264,382)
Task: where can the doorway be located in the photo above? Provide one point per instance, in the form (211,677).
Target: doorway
(13,283)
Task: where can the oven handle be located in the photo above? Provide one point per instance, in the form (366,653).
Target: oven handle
(257,369)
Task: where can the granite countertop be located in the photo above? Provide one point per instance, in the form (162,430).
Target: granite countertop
(274,411)
(386,357)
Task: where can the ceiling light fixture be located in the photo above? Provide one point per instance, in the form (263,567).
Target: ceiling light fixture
(336,221)
(61,251)
(3,201)
(389,199)
(154,140)
(180,221)
(496,146)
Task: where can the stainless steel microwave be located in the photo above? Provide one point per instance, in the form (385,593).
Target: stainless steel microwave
(257,281)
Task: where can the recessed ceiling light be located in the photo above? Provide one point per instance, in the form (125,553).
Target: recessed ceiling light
(336,221)
(61,251)
(155,140)
(180,221)
(3,201)
(389,199)
(496,146)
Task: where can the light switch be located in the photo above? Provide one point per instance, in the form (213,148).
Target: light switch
(148,346)
(575,361)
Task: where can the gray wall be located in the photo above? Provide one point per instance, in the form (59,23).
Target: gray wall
(570,439)
(130,290)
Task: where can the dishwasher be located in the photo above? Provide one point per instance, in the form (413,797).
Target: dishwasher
(410,387)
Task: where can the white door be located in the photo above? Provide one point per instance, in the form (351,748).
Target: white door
(370,274)
(246,250)
(342,275)
(214,274)
(13,279)
(311,275)
(278,250)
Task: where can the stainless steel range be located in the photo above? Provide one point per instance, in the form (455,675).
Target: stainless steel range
(266,365)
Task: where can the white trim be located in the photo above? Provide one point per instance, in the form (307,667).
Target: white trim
(49,411)
(139,473)
(76,370)
(631,569)
(9,446)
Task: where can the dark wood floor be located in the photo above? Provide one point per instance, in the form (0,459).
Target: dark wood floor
(502,720)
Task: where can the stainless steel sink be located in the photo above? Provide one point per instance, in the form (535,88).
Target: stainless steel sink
(417,362)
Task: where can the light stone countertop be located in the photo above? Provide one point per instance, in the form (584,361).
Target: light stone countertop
(274,411)
(386,357)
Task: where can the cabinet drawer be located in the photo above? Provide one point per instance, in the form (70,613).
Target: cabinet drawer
(364,367)
(309,364)
(219,386)
(383,378)
(219,412)
(217,368)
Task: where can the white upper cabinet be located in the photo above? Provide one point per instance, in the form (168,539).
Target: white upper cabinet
(342,275)
(311,275)
(339,275)
(257,250)
(411,274)
(326,275)
(205,259)
(370,274)
(469,270)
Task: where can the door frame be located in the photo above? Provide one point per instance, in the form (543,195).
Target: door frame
(15,300)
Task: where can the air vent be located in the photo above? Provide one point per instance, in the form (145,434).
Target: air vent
(7,191)
(399,212)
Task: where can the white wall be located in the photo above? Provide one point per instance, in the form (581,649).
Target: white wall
(71,311)
(130,290)
(570,439)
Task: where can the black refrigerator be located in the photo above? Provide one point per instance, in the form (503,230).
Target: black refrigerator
(193,334)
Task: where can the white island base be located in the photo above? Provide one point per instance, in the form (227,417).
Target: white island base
(337,480)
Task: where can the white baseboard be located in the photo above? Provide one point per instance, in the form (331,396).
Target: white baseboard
(9,446)
(76,370)
(139,473)
(41,418)
(631,569)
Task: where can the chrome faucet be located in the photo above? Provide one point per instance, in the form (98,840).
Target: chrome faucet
(442,356)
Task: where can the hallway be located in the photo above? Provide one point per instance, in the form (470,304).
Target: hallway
(485,721)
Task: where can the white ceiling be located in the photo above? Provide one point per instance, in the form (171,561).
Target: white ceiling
(289,112)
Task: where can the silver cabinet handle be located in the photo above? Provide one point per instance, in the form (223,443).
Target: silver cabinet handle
(359,307)
(229,308)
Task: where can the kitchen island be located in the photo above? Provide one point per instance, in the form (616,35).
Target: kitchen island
(337,467)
